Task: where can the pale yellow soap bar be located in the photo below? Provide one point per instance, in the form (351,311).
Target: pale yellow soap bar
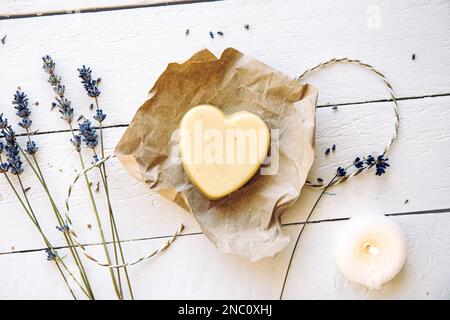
(220,152)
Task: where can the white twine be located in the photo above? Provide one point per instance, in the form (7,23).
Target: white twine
(395,109)
(82,247)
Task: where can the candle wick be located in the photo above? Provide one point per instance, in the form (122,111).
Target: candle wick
(370,249)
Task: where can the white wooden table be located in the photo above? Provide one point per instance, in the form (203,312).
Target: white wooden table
(130,47)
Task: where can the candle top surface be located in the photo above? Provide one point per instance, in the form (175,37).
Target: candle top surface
(371,250)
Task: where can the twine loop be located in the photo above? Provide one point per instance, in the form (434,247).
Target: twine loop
(395,110)
(319,186)
(82,246)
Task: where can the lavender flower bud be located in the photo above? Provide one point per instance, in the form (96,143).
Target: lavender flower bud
(32,148)
(99,115)
(3,122)
(49,65)
(89,134)
(4,167)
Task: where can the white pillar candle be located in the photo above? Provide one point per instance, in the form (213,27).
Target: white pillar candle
(371,250)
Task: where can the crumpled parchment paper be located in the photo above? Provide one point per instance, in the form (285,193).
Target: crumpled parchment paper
(247,222)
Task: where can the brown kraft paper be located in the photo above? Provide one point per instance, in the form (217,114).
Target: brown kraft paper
(247,222)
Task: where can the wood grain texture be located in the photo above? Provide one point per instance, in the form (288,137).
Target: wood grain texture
(130,48)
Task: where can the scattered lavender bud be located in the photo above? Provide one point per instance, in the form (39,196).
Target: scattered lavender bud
(247,26)
(3,40)
(413,57)
(220,33)
(211,35)
(327,152)
(187,32)
(333,148)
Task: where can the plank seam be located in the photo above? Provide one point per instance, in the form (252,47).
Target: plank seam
(125,125)
(396,214)
(437,95)
(100,9)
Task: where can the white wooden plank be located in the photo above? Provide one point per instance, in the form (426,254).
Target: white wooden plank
(193,269)
(419,173)
(423,277)
(26,7)
(129,49)
(413,175)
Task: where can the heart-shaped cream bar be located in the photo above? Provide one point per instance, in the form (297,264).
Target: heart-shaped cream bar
(221,152)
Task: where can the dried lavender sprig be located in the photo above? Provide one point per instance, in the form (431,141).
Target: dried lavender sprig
(91,88)
(89,134)
(340,174)
(12,151)
(381,164)
(67,112)
(20,103)
(4,168)
(90,85)
(99,224)
(90,137)
(62,103)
